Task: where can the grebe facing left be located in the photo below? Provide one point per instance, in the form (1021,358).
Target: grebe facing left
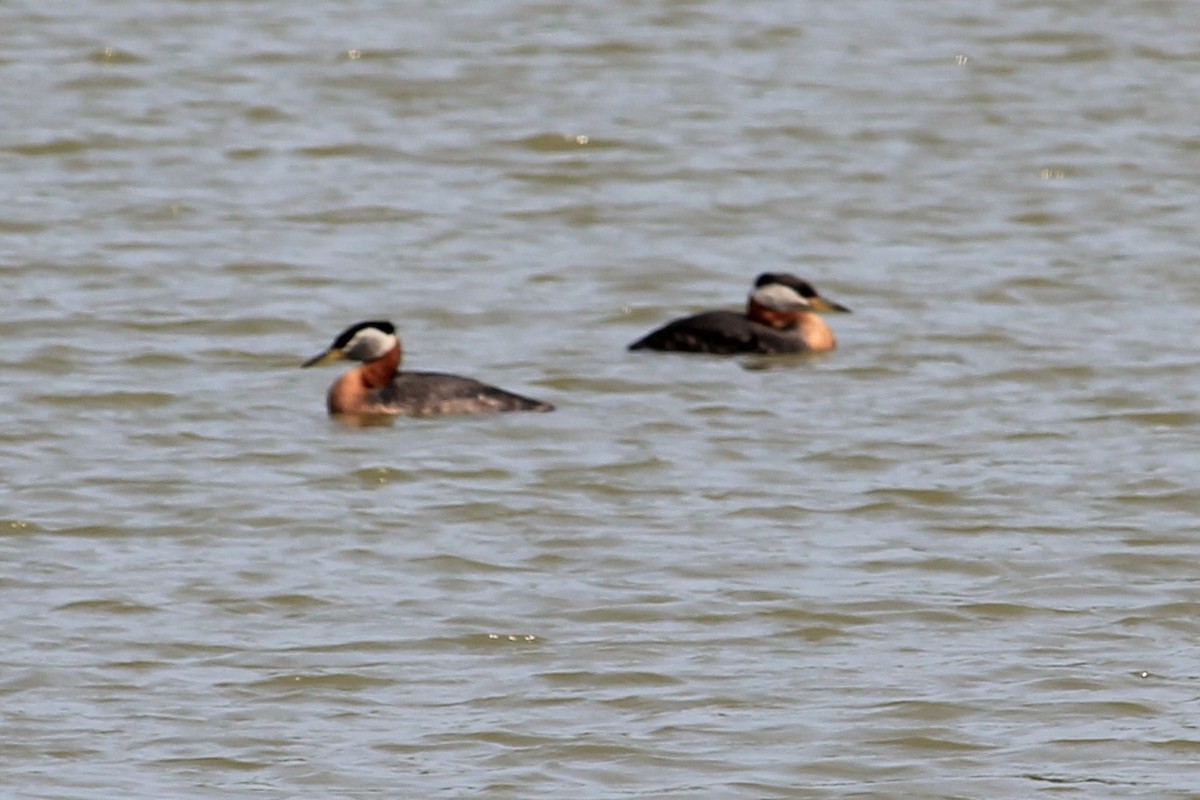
(779,318)
(378,386)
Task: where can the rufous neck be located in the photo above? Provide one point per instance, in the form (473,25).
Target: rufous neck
(780,320)
(816,334)
(379,372)
(812,330)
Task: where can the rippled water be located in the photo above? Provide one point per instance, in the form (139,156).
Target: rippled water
(953,559)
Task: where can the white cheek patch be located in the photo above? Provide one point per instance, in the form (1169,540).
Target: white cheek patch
(369,343)
(778,297)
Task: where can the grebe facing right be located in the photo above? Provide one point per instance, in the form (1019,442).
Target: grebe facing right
(378,386)
(779,318)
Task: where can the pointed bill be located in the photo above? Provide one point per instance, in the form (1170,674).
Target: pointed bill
(325,357)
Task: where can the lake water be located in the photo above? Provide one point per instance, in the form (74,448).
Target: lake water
(956,558)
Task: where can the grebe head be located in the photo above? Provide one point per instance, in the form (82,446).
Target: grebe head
(365,341)
(782,291)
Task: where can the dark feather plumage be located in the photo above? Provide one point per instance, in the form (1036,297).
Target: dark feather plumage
(422,394)
(720,333)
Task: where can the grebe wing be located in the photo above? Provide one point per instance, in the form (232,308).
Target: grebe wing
(422,394)
(719,333)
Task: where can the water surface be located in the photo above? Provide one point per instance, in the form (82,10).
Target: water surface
(951,559)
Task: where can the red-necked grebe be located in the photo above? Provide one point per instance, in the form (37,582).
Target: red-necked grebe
(378,386)
(779,318)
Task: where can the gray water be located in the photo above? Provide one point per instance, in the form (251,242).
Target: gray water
(956,558)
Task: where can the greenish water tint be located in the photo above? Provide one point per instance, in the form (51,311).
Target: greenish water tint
(951,559)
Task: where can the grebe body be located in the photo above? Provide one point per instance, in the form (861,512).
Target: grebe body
(780,317)
(379,386)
